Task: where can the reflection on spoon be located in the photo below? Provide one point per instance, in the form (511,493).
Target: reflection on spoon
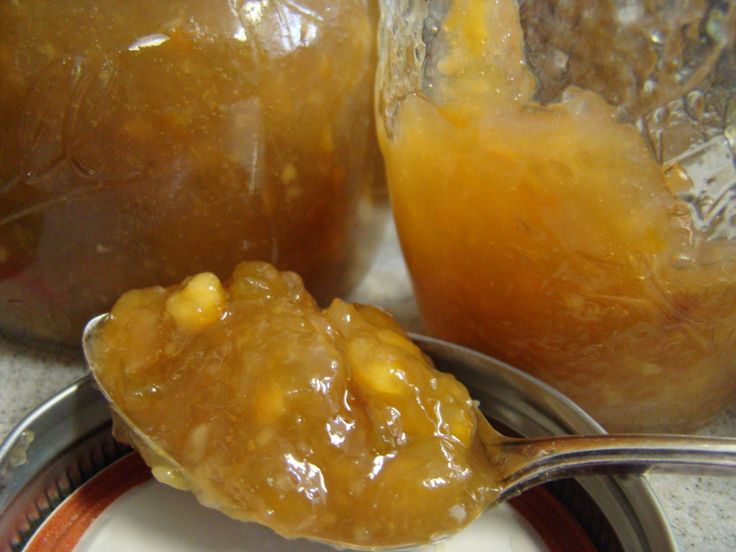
(326,424)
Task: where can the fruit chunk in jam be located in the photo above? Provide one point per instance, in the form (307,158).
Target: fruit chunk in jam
(327,424)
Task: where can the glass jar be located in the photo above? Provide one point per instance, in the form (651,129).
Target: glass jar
(562,177)
(147,142)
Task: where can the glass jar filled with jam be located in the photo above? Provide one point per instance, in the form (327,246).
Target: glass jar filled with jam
(147,141)
(562,177)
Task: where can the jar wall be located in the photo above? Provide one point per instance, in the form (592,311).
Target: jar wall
(145,144)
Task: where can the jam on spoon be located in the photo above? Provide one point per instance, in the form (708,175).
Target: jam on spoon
(321,423)
(328,424)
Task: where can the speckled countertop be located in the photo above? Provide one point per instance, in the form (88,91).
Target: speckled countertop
(701,510)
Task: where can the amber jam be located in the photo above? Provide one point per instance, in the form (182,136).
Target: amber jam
(550,237)
(328,424)
(146,142)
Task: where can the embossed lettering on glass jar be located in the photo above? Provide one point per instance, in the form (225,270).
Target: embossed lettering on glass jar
(146,143)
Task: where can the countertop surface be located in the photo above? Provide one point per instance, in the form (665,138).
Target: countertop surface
(701,510)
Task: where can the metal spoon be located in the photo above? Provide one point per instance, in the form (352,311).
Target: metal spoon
(522,463)
(526,462)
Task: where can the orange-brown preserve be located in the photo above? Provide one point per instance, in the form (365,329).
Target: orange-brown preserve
(327,424)
(146,142)
(548,236)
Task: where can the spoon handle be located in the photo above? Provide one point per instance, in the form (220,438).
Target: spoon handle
(536,460)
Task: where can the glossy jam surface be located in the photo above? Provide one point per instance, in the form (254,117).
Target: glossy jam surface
(327,424)
(144,144)
(548,236)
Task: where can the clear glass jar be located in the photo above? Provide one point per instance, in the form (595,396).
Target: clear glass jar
(147,142)
(563,181)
